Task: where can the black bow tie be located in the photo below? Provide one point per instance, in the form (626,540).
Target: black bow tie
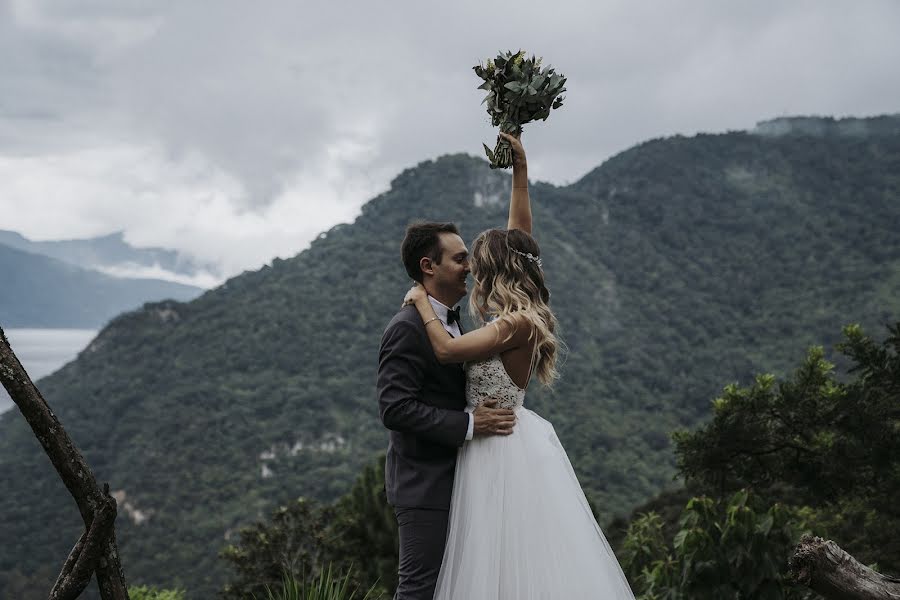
(452,315)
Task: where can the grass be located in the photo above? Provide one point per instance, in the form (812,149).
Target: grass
(327,586)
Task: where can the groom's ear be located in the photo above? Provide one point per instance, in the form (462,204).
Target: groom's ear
(427,266)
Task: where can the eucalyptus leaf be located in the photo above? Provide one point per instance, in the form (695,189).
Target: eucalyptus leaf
(519,92)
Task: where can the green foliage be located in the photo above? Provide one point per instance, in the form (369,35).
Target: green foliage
(815,441)
(643,547)
(518,92)
(821,453)
(724,549)
(291,544)
(144,592)
(364,534)
(675,266)
(326,586)
(357,535)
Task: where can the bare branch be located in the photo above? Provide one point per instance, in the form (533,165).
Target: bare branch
(828,570)
(96,550)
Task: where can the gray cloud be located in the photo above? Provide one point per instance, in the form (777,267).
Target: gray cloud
(257,118)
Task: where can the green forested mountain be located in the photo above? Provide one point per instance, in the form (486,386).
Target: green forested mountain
(40,291)
(676,267)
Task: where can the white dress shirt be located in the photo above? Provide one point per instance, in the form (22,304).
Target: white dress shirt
(440,310)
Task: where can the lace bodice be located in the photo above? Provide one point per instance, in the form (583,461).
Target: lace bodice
(488,379)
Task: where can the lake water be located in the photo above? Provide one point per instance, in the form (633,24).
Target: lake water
(42,351)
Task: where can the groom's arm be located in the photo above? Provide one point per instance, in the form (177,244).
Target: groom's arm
(401,373)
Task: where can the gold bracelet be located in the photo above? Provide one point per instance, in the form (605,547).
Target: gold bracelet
(431,319)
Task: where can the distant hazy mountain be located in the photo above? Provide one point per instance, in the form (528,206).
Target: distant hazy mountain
(884,125)
(38,291)
(112,255)
(676,267)
(43,351)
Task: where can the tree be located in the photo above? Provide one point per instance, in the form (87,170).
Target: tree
(363,535)
(724,549)
(825,446)
(291,543)
(96,551)
(356,536)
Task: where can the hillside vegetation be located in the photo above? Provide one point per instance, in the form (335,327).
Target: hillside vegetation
(676,267)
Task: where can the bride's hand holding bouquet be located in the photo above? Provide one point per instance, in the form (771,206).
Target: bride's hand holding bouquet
(519,92)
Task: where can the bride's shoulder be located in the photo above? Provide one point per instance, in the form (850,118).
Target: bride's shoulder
(517,324)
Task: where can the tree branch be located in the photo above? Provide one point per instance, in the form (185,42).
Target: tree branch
(96,550)
(82,561)
(828,570)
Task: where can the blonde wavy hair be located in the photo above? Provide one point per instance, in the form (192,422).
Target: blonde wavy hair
(508,284)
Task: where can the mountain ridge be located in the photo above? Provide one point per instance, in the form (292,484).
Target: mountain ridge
(112,255)
(824,125)
(40,291)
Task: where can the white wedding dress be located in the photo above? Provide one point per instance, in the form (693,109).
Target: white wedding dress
(520,526)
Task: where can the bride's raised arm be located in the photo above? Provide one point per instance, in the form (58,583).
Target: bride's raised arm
(519,202)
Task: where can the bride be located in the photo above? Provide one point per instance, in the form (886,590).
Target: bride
(520,526)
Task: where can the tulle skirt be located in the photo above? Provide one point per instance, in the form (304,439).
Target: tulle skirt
(520,526)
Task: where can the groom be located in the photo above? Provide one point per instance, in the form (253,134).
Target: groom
(422,403)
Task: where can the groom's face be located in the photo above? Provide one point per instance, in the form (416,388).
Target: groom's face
(450,275)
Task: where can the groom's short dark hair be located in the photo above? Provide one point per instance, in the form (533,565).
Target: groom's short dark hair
(423,239)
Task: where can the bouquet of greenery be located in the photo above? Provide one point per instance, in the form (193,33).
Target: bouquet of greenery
(519,92)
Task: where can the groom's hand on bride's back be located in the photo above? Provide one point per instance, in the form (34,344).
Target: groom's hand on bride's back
(490,420)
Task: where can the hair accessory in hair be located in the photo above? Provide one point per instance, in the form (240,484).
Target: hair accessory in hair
(530,256)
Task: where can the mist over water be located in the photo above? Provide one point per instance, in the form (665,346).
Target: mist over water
(43,351)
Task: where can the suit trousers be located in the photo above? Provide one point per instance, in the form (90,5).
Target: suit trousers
(423,535)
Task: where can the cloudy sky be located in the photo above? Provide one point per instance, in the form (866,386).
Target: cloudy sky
(236,131)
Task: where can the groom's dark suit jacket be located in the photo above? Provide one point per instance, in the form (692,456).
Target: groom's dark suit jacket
(421,402)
